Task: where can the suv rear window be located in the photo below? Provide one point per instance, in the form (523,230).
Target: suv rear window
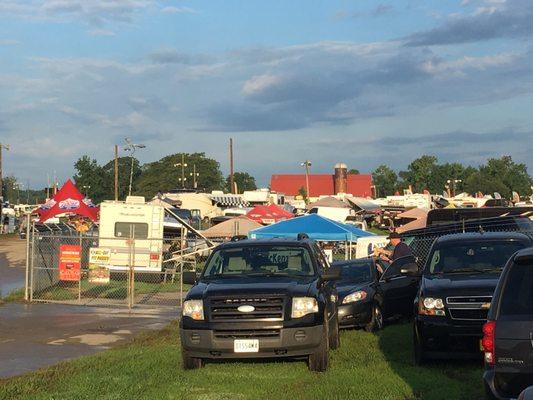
(518,293)
(260,260)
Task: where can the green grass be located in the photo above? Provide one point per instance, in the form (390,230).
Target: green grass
(8,236)
(14,295)
(366,366)
(378,231)
(115,289)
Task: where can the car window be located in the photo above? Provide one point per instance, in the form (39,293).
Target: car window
(395,268)
(357,272)
(482,256)
(517,296)
(136,230)
(257,260)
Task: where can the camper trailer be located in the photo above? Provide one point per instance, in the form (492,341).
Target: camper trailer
(134,218)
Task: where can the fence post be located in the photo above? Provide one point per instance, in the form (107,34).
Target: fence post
(32,259)
(81,259)
(181,265)
(27,277)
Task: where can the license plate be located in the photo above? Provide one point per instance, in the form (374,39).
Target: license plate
(246,346)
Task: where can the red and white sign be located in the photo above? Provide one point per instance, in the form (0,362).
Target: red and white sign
(69,262)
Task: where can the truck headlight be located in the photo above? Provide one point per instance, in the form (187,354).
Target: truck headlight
(355,296)
(431,306)
(193,309)
(303,305)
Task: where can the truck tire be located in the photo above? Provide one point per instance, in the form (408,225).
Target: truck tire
(190,362)
(376,321)
(335,338)
(319,360)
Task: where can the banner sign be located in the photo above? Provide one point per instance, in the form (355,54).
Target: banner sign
(69,262)
(99,265)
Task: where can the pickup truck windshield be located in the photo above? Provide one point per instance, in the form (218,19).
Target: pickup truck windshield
(477,257)
(260,261)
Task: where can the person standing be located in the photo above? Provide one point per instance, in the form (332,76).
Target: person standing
(396,249)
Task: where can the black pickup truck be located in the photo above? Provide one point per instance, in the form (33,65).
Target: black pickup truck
(262,299)
(456,289)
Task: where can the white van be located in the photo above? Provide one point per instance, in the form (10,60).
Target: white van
(135,218)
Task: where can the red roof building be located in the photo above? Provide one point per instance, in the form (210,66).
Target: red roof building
(359,185)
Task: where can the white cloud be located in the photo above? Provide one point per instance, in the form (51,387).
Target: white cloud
(101,32)
(178,10)
(257,84)
(9,42)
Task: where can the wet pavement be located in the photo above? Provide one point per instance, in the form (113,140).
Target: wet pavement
(12,265)
(37,335)
(33,336)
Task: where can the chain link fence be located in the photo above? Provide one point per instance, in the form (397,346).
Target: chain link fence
(123,272)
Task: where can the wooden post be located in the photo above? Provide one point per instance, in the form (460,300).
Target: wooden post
(116,172)
(231,173)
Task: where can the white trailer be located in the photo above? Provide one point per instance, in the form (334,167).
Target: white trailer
(134,218)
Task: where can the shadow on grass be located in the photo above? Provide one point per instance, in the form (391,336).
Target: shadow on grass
(461,379)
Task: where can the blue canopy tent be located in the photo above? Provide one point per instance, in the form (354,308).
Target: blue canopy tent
(314,225)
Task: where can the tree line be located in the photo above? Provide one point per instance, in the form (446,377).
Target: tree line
(501,175)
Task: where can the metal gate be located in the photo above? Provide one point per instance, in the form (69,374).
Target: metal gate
(131,285)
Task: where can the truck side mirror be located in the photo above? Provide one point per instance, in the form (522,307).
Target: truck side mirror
(189,277)
(332,274)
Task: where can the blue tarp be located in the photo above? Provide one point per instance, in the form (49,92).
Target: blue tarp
(315,226)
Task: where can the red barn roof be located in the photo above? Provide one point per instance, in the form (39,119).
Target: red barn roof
(359,185)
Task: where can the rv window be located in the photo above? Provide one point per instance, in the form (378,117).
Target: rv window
(122,229)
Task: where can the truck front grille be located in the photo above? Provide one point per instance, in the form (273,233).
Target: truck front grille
(469,314)
(247,334)
(264,308)
(469,299)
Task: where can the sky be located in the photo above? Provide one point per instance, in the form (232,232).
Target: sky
(360,82)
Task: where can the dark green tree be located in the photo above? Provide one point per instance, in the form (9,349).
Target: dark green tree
(163,175)
(385,180)
(91,179)
(420,174)
(354,171)
(243,180)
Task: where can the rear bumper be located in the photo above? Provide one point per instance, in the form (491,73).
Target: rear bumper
(456,339)
(355,314)
(291,342)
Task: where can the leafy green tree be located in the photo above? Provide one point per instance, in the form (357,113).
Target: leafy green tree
(243,180)
(354,171)
(385,180)
(163,175)
(420,173)
(501,175)
(91,179)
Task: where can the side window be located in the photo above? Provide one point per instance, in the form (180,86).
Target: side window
(395,268)
(125,229)
(321,258)
(518,293)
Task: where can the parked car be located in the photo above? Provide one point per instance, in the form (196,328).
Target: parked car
(527,394)
(456,289)
(261,299)
(367,299)
(508,333)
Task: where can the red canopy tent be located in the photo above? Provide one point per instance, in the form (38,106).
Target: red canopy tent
(68,200)
(270,214)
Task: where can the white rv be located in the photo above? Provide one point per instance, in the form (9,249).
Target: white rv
(119,221)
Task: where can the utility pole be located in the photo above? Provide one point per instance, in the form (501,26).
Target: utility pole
(6,147)
(306,164)
(116,172)
(231,170)
(183,166)
(194,175)
(131,147)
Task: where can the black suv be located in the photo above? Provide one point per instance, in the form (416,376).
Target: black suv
(508,333)
(457,285)
(262,299)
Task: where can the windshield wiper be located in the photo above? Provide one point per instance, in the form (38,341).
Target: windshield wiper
(462,271)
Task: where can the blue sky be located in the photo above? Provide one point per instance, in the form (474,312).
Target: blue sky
(363,82)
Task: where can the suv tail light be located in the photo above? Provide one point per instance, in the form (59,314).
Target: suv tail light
(487,343)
